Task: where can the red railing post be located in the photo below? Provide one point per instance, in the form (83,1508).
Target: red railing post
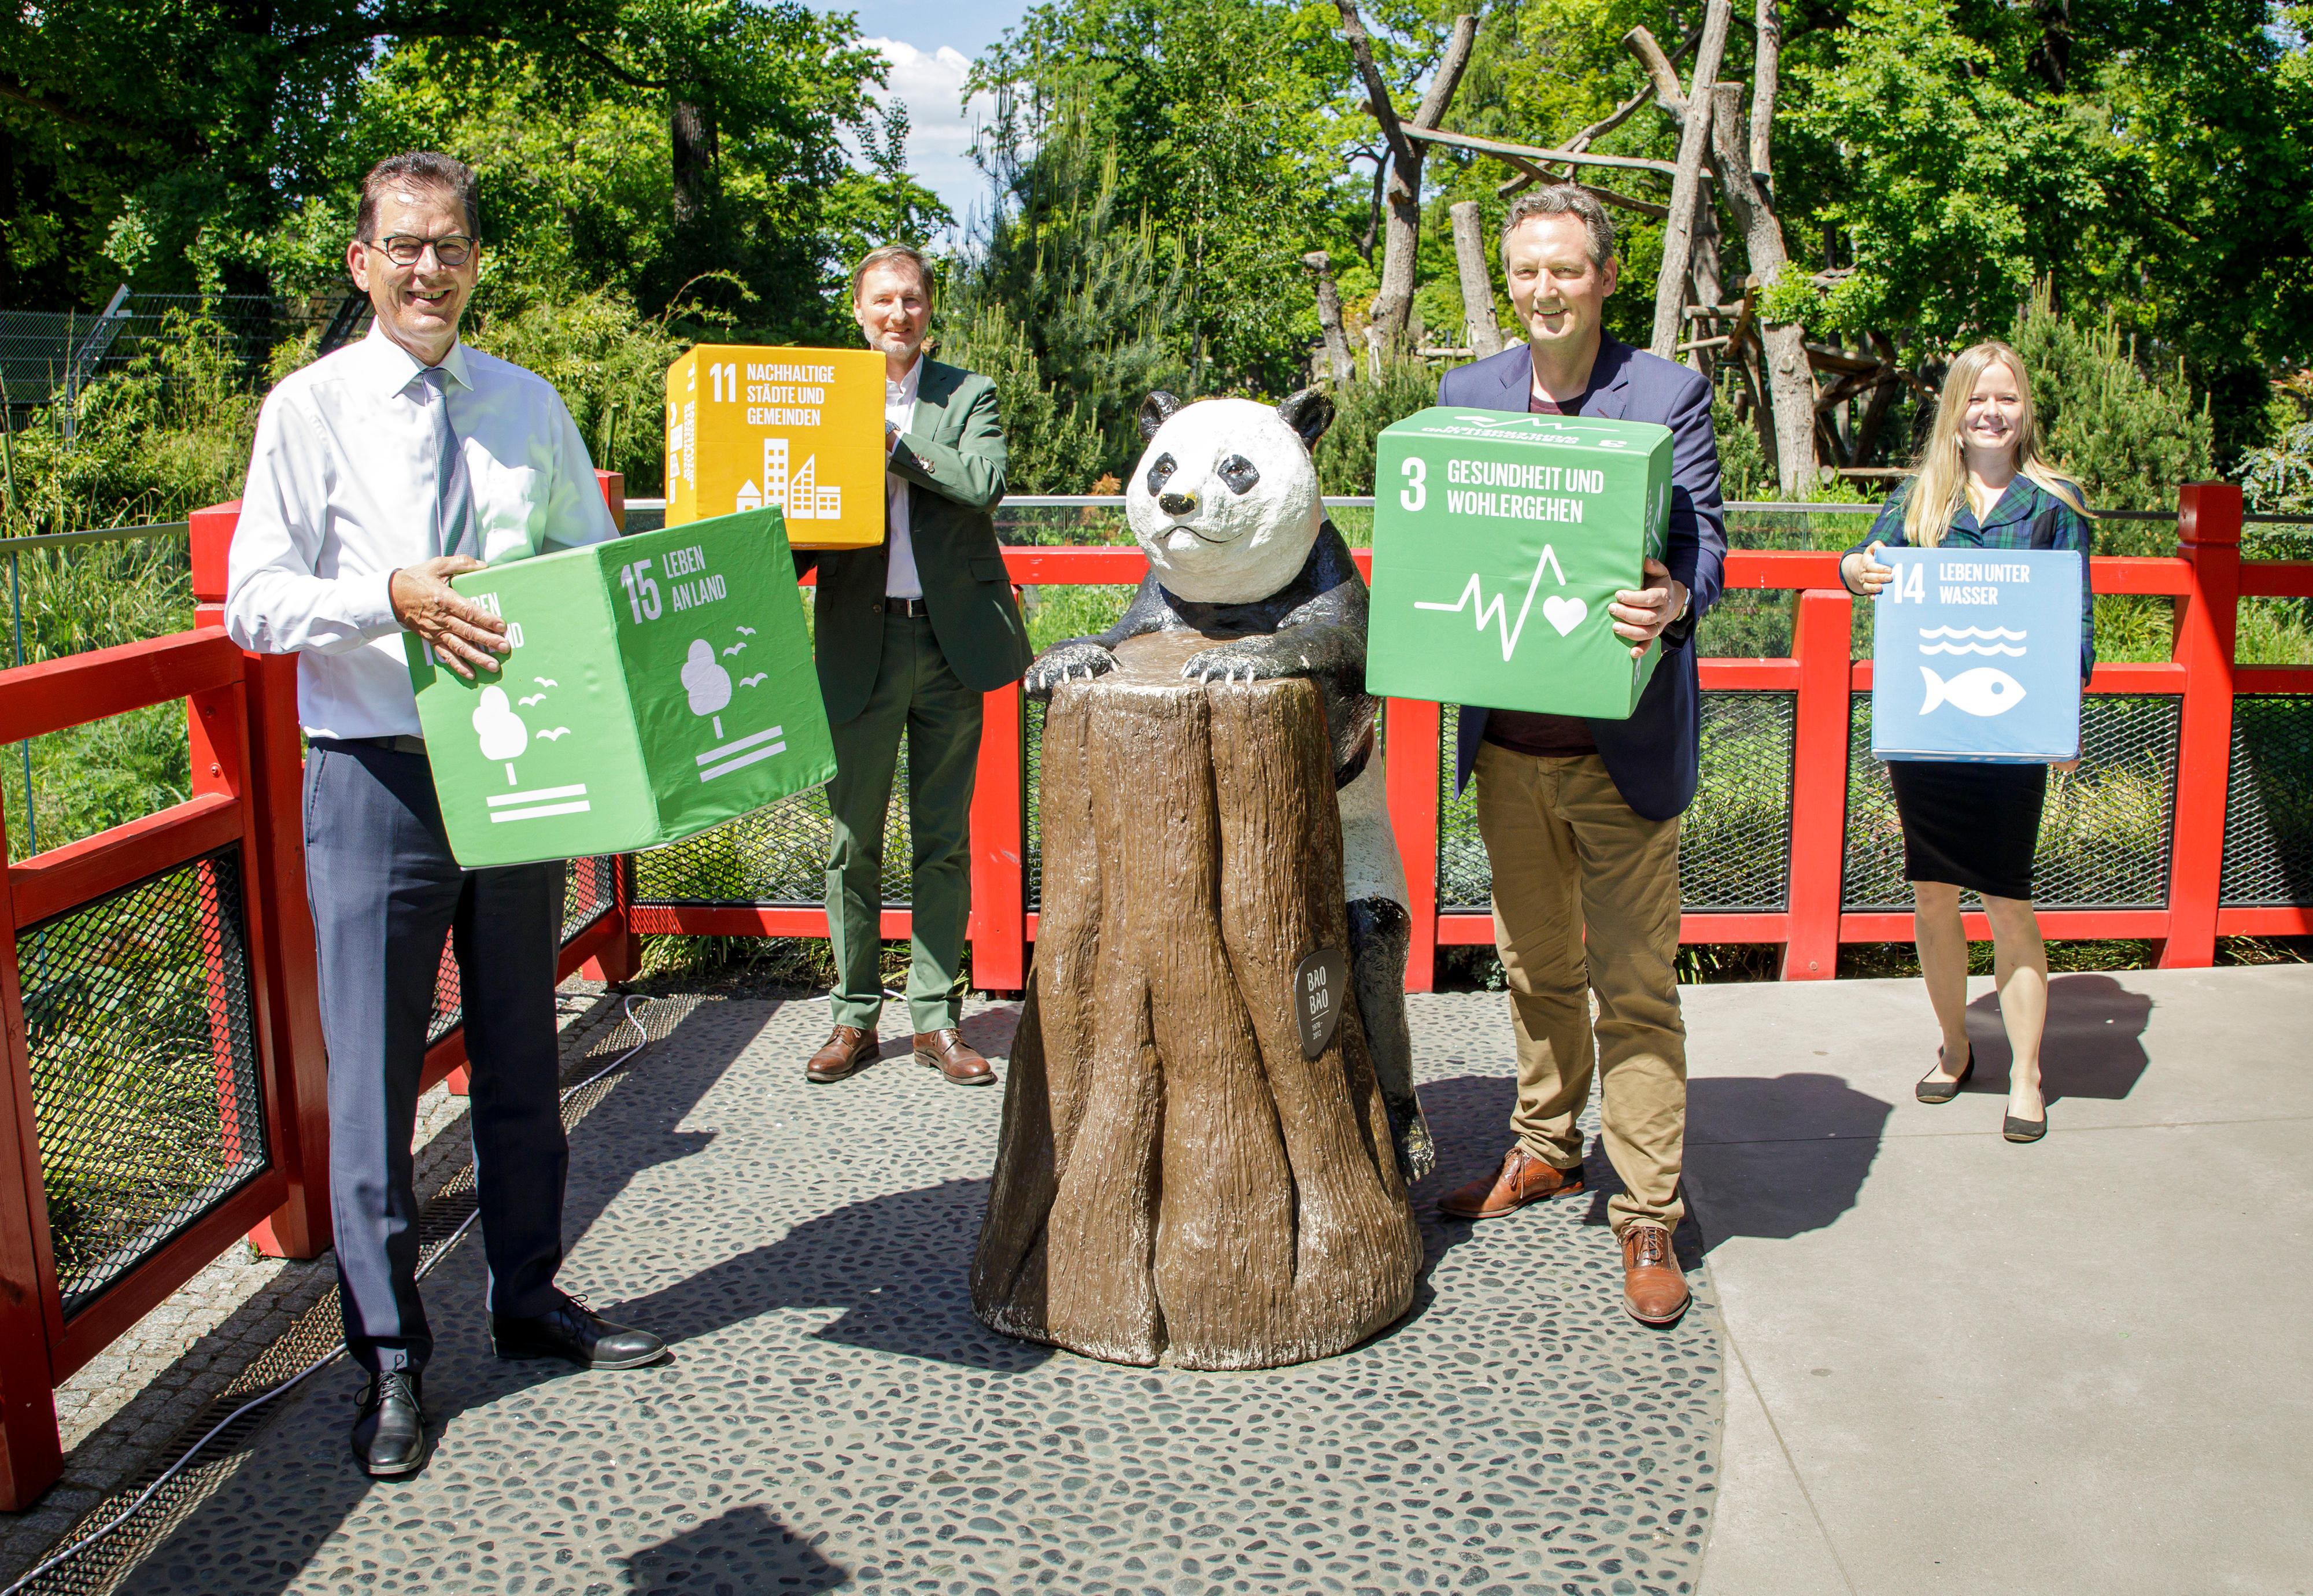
(1820,643)
(282,934)
(1000,848)
(1411,749)
(31,1454)
(2208,535)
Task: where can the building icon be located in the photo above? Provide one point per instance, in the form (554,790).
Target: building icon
(796,489)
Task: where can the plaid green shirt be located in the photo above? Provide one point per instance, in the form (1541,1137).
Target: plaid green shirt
(2008,526)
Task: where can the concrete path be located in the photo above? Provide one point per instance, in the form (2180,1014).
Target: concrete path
(1955,1364)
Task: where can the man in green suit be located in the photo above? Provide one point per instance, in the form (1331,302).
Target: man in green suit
(910,636)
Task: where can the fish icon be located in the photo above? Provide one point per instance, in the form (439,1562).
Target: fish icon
(1984,691)
(733,648)
(751,680)
(535,698)
(549,737)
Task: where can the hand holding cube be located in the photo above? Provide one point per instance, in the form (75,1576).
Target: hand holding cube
(462,634)
(1640,614)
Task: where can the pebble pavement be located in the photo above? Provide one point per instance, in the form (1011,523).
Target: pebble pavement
(834,1418)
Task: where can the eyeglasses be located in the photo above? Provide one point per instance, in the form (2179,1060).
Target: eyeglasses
(451,250)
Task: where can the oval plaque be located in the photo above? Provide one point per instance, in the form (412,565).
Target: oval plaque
(1321,984)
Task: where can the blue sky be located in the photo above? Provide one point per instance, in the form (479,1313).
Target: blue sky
(931,45)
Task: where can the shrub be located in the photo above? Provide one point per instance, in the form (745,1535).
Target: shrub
(2129,436)
(1362,408)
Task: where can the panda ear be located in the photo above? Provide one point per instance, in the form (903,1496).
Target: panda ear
(1155,411)
(1308,412)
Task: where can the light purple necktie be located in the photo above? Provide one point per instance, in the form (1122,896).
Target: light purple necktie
(453,493)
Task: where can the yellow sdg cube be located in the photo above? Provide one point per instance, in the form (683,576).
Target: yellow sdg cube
(798,430)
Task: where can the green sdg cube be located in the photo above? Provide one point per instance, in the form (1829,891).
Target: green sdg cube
(1498,541)
(658,685)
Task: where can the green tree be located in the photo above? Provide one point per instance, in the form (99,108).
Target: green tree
(2129,436)
(1092,290)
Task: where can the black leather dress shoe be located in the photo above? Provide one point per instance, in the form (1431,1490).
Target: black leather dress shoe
(576,1332)
(389,1438)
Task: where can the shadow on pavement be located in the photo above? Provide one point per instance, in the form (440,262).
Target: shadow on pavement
(745,1550)
(1777,1156)
(2093,1047)
(652,1100)
(897,1265)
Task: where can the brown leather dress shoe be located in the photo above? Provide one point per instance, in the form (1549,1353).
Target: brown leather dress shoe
(846,1049)
(1523,1179)
(1654,1287)
(952,1056)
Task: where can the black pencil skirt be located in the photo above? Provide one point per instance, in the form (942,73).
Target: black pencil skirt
(1975,826)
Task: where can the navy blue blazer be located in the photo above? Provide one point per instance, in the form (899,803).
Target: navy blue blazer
(1653,755)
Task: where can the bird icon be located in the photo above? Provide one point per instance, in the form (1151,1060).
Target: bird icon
(535,698)
(546,681)
(733,648)
(559,731)
(751,681)
(746,632)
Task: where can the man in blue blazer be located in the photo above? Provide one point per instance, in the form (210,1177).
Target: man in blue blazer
(1580,817)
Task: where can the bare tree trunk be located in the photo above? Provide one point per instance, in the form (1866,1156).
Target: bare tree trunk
(1767,59)
(1402,196)
(1686,185)
(1329,316)
(1702,275)
(1478,322)
(1790,386)
(1176,1180)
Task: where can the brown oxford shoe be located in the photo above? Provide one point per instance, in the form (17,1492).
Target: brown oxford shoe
(1523,1179)
(952,1056)
(1654,1287)
(846,1049)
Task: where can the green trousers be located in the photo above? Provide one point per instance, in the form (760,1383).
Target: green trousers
(917,695)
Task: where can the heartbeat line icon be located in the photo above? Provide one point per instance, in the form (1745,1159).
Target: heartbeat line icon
(1493,611)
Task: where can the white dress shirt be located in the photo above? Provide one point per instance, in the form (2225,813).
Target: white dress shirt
(899,577)
(341,493)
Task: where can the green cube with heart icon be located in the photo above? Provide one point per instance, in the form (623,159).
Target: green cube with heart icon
(1498,541)
(658,685)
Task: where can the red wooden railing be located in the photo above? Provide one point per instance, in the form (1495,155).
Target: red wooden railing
(247,769)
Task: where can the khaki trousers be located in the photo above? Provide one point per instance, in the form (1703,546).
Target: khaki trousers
(1571,857)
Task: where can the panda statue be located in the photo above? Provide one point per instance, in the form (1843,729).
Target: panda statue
(1225,501)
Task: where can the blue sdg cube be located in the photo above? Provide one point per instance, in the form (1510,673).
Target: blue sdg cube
(1976,654)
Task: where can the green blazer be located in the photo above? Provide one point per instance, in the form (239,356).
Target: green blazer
(952,459)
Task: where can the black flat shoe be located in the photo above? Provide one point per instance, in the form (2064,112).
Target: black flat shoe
(2023,1130)
(1934,1088)
(390,1439)
(576,1332)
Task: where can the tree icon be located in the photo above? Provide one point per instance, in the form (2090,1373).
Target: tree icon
(706,682)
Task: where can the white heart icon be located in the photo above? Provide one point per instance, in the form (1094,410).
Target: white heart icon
(1563,613)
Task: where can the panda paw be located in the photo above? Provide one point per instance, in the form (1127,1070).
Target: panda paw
(1236,662)
(1066,662)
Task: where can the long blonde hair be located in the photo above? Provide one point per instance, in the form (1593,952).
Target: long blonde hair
(1940,490)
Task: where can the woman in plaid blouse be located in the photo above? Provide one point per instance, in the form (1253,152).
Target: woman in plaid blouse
(1974,827)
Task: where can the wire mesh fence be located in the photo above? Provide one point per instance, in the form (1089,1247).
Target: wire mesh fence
(2269,804)
(2104,830)
(146,1096)
(775,857)
(1734,841)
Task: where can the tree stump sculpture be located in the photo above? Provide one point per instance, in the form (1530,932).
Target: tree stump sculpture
(1176,1182)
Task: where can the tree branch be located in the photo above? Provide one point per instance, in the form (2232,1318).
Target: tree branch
(1378,101)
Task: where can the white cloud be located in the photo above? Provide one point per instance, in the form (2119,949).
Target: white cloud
(940,127)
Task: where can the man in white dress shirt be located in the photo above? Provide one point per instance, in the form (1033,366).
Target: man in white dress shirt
(379,472)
